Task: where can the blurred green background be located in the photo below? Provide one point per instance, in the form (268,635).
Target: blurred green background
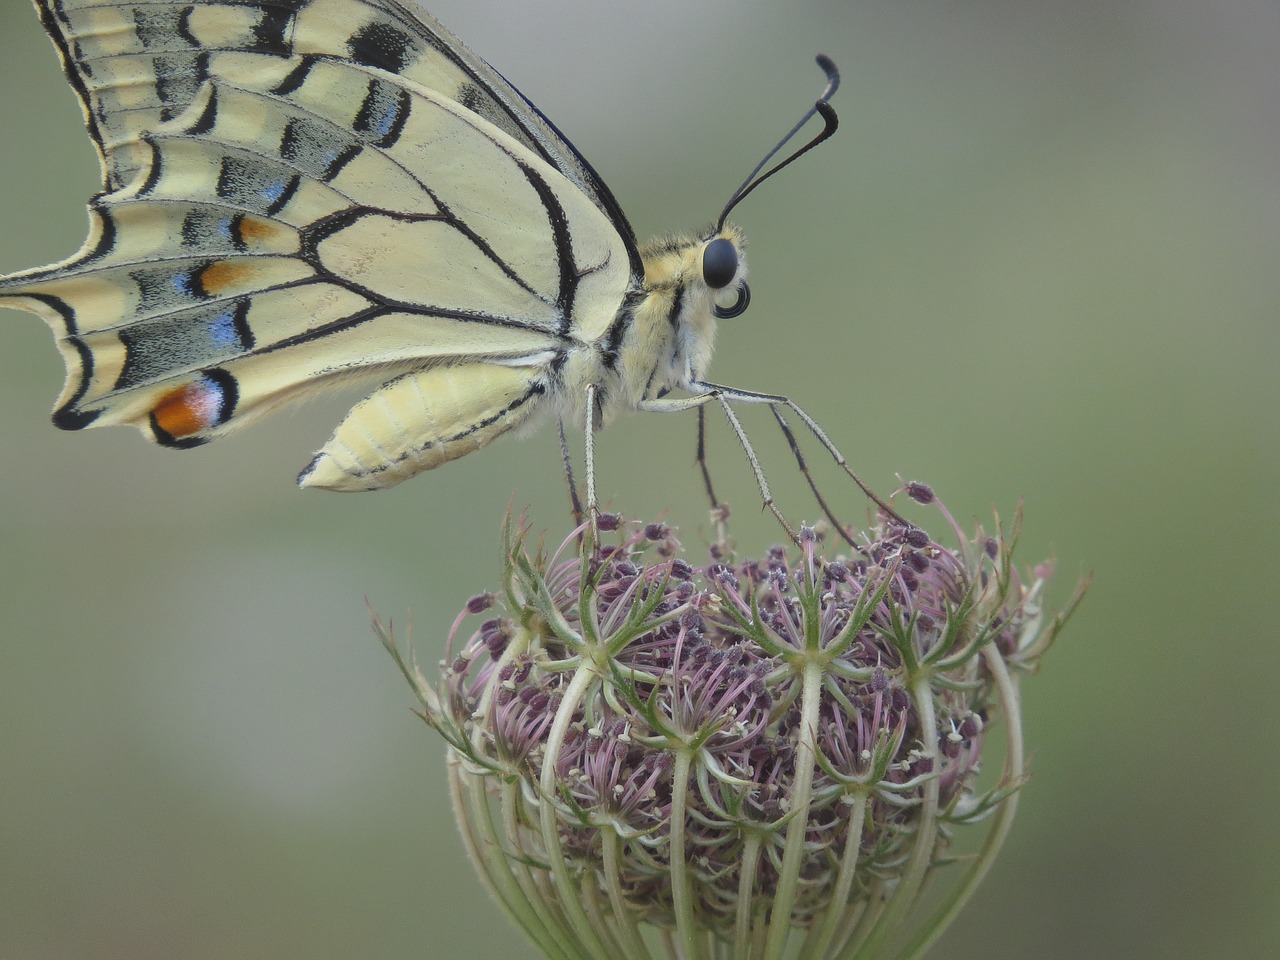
(1040,259)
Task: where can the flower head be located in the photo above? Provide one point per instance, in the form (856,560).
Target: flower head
(734,757)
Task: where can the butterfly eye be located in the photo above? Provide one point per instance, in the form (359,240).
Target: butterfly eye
(719,263)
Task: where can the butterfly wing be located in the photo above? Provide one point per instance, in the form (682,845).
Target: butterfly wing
(300,192)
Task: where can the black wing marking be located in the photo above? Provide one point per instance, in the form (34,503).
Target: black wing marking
(134,66)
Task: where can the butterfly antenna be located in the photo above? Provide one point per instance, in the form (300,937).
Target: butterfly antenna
(831,122)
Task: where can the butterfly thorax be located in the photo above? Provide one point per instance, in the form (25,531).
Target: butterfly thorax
(667,331)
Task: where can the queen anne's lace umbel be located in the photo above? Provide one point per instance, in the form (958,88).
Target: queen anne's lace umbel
(748,759)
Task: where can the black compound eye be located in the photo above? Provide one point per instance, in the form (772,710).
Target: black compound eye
(719,263)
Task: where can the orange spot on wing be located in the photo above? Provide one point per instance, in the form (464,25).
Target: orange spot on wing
(218,278)
(252,229)
(186,410)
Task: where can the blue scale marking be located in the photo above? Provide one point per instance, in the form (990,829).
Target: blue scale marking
(387,121)
(223,330)
(273,192)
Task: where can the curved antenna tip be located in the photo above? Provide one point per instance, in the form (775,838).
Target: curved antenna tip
(833,75)
(829,117)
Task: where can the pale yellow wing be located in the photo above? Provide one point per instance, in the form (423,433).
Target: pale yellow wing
(137,65)
(305,192)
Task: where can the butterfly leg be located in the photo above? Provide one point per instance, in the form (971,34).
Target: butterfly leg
(804,470)
(719,511)
(589,458)
(575,504)
(774,401)
(678,404)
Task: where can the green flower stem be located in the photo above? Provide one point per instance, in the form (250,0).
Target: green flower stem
(624,917)
(1011,779)
(461,799)
(801,794)
(682,895)
(840,895)
(487,853)
(534,893)
(854,935)
(922,850)
(557,863)
(599,910)
(744,914)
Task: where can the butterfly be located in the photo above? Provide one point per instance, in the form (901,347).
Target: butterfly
(300,195)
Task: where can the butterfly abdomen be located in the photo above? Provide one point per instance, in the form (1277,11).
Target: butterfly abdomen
(422,419)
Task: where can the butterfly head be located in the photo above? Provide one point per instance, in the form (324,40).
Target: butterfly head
(691,282)
(724,273)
